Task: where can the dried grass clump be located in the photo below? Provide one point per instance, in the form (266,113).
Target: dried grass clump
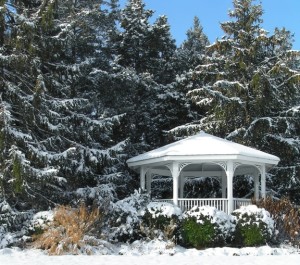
(286,217)
(69,227)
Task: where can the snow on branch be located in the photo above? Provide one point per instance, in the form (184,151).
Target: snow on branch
(5,114)
(47,173)
(225,84)
(207,94)
(253,125)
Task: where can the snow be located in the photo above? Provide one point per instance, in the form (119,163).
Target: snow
(205,146)
(42,219)
(157,209)
(6,238)
(224,221)
(229,84)
(157,252)
(261,213)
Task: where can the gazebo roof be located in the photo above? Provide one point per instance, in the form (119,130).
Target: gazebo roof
(203,147)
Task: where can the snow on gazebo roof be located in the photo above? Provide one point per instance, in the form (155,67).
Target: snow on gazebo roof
(200,147)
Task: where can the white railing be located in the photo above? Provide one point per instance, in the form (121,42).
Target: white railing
(164,200)
(220,204)
(187,204)
(237,203)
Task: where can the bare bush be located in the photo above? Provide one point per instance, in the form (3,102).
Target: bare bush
(286,217)
(68,230)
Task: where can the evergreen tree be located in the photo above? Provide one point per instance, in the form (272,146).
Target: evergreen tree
(247,85)
(131,44)
(193,49)
(244,75)
(2,22)
(54,138)
(144,73)
(161,52)
(189,55)
(142,46)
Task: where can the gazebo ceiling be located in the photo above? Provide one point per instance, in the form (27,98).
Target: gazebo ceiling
(203,147)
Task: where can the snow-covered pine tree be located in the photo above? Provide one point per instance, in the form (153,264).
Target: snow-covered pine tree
(189,55)
(2,21)
(249,89)
(144,46)
(192,51)
(144,55)
(161,52)
(131,42)
(54,138)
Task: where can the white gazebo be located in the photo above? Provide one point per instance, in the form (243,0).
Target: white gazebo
(205,155)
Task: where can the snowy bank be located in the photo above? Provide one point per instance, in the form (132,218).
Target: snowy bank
(156,252)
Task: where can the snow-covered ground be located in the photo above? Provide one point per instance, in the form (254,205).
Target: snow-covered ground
(157,253)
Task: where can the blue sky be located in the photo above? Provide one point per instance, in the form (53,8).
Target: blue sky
(180,13)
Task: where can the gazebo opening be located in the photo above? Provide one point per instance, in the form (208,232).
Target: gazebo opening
(202,187)
(202,181)
(206,159)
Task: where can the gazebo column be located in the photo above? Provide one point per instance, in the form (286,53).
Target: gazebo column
(256,187)
(230,173)
(142,178)
(148,180)
(175,176)
(263,181)
(224,185)
(181,185)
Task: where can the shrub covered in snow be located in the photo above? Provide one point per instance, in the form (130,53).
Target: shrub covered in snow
(12,224)
(124,220)
(40,222)
(12,219)
(98,195)
(161,219)
(6,238)
(254,226)
(206,227)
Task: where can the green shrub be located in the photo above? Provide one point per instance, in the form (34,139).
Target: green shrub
(197,235)
(254,226)
(206,227)
(251,235)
